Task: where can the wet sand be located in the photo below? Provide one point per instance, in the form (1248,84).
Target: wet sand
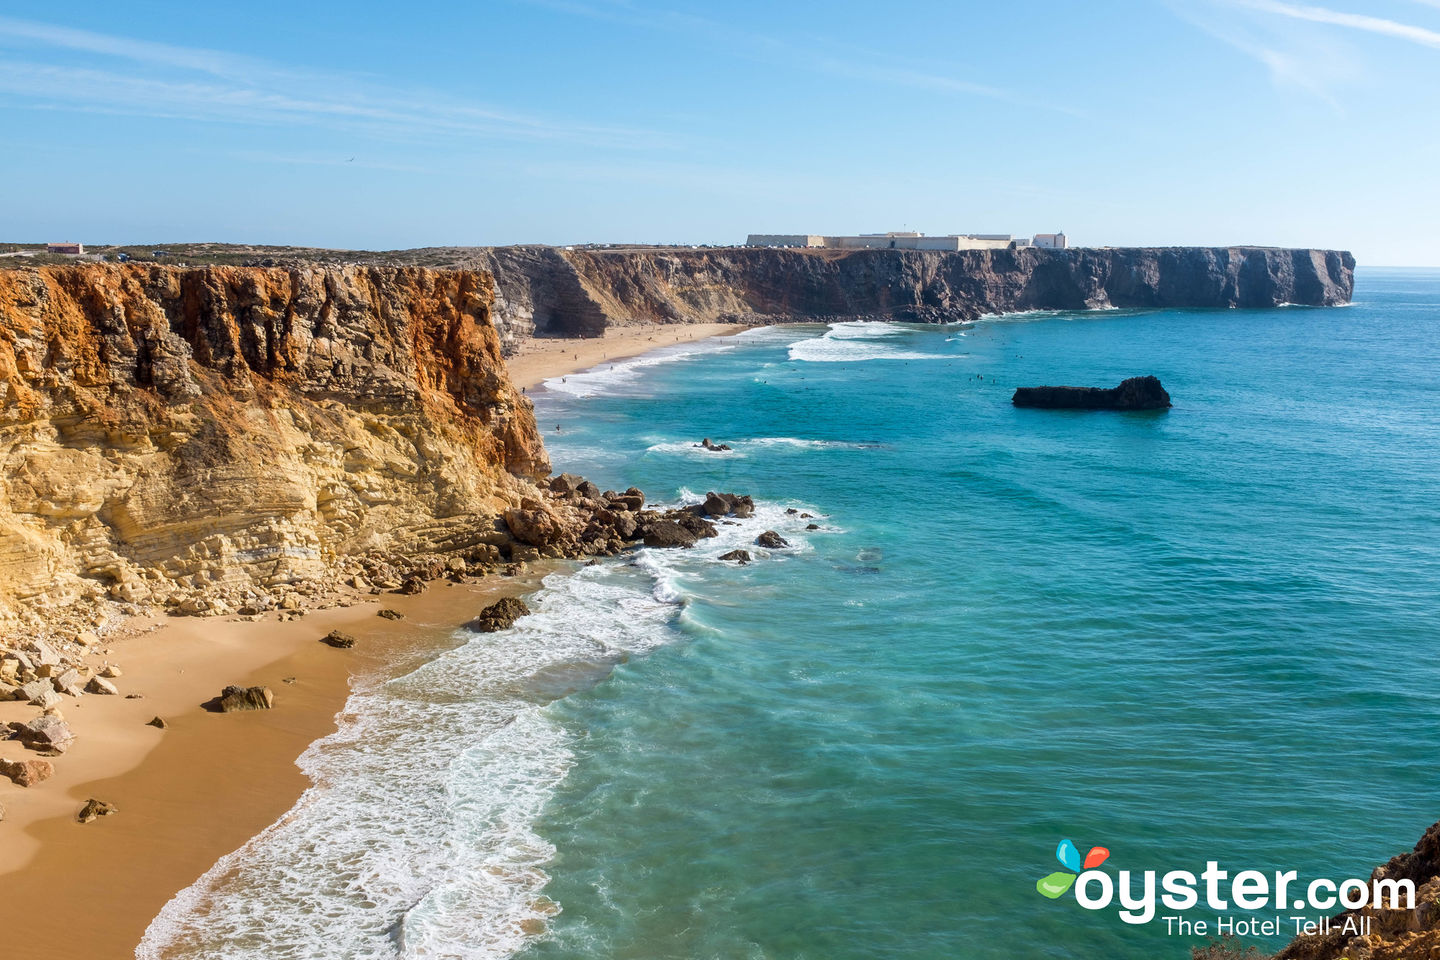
(191,793)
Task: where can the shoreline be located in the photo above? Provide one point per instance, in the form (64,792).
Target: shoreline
(189,794)
(541,358)
(204,786)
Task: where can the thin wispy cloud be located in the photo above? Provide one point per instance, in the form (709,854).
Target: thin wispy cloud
(1353,21)
(847,61)
(47,66)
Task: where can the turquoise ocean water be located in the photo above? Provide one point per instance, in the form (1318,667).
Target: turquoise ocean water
(1201,634)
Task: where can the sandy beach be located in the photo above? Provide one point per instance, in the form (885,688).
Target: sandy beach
(190,793)
(540,359)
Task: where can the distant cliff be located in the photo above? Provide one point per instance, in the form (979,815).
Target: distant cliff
(165,429)
(556,292)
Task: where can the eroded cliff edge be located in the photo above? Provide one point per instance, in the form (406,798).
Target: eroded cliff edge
(579,292)
(170,432)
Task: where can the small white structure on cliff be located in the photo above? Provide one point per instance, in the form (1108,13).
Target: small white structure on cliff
(892,240)
(1051,241)
(74,249)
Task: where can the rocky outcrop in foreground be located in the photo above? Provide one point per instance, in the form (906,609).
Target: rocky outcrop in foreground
(554,292)
(1136,393)
(211,439)
(1393,934)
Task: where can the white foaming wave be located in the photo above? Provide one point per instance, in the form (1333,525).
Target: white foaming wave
(739,446)
(690,449)
(607,377)
(853,341)
(417,838)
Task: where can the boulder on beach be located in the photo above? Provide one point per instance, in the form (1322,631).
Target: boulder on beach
(94,809)
(236,698)
(101,686)
(771,540)
(26,773)
(1136,393)
(500,615)
(389,614)
(156,722)
(339,639)
(45,734)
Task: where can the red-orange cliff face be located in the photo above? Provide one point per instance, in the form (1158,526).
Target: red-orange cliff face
(166,429)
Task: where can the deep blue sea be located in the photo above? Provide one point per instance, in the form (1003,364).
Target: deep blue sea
(1208,633)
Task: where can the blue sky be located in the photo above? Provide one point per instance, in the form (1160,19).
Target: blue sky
(385,125)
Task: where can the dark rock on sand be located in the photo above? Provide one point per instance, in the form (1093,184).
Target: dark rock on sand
(48,734)
(336,638)
(156,722)
(95,809)
(1136,393)
(233,699)
(771,540)
(411,587)
(26,773)
(389,614)
(500,615)
(740,556)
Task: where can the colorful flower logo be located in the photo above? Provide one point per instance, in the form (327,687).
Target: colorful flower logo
(1058,882)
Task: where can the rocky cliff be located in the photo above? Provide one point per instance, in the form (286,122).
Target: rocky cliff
(169,431)
(554,292)
(1370,933)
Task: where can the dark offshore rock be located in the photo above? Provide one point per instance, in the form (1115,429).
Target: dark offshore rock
(771,540)
(739,556)
(1137,393)
(500,615)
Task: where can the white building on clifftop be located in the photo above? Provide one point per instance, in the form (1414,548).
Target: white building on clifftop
(1051,241)
(892,240)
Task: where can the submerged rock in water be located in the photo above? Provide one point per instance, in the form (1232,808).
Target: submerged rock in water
(500,615)
(1136,393)
(739,556)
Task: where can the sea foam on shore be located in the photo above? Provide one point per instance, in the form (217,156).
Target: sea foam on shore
(417,837)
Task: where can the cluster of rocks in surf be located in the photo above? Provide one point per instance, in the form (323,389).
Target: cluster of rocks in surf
(575,518)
